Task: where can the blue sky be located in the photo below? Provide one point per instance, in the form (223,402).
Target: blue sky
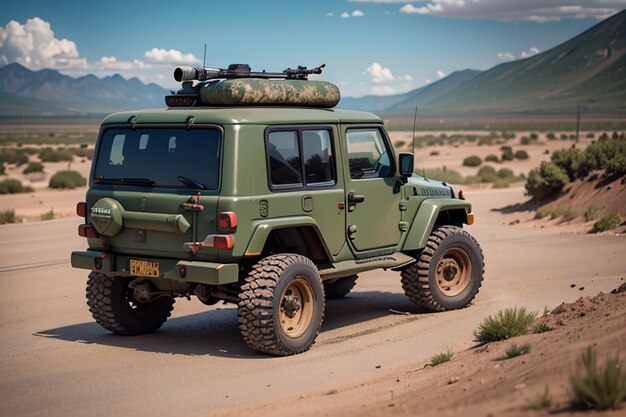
(378,46)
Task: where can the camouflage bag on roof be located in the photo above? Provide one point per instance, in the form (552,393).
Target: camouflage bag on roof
(260,92)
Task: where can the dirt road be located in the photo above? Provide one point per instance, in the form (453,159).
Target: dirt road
(54,360)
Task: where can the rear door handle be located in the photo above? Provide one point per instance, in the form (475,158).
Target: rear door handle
(355,198)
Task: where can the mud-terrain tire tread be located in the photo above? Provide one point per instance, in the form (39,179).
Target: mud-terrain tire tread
(415,277)
(340,288)
(109,307)
(255,311)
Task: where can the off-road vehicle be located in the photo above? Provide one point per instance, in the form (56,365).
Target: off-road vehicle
(250,188)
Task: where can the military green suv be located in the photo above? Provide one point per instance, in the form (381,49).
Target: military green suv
(272,205)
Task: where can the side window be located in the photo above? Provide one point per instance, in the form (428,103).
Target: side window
(368,155)
(300,157)
(284,158)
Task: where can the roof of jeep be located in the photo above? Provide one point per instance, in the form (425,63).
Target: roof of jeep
(243,115)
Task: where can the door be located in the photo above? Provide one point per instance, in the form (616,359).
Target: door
(372,206)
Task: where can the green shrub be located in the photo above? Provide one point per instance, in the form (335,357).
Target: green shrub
(591,211)
(398,144)
(48,215)
(2,169)
(540,402)
(67,179)
(505,173)
(13,186)
(88,153)
(547,180)
(434,153)
(608,222)
(525,141)
(472,161)
(607,154)
(515,350)
(507,156)
(599,387)
(505,324)
(534,136)
(55,155)
(446,175)
(571,160)
(8,216)
(551,136)
(506,149)
(521,154)
(441,358)
(492,158)
(591,135)
(500,183)
(541,328)
(33,167)
(564,211)
(543,212)
(487,174)
(13,156)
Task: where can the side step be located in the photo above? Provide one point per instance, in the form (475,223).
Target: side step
(346,268)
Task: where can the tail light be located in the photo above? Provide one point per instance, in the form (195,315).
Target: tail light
(221,241)
(81,209)
(227,220)
(461,195)
(87,230)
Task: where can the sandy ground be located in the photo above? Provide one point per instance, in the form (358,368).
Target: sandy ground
(55,361)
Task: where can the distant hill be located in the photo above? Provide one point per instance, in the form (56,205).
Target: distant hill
(51,93)
(588,71)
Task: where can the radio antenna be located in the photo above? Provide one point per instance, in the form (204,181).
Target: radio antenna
(204,58)
(414,125)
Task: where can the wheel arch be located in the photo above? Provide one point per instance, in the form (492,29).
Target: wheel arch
(292,235)
(433,213)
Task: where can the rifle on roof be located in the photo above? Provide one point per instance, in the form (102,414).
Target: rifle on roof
(241,71)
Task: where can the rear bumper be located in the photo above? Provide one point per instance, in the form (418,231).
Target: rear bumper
(210,273)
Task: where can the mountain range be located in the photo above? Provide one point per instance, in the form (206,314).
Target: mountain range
(588,70)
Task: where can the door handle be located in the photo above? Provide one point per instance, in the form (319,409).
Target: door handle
(355,198)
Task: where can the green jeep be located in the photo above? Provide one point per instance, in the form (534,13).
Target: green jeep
(269,199)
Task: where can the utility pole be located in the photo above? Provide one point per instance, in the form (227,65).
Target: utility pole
(578,125)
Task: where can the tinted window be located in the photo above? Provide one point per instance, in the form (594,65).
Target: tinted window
(367,154)
(160,155)
(300,157)
(284,156)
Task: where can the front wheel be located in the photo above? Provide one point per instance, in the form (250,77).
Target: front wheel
(113,306)
(281,305)
(448,272)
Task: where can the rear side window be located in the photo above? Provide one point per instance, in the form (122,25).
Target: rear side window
(300,158)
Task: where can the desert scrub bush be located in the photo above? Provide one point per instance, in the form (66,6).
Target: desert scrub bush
(505,173)
(500,183)
(571,160)
(591,135)
(487,174)
(505,324)
(440,358)
(13,156)
(48,215)
(608,154)
(507,155)
(591,211)
(397,144)
(55,155)
(33,167)
(526,140)
(543,212)
(434,153)
(546,180)
(442,174)
(331,392)
(8,216)
(541,328)
(13,186)
(492,158)
(521,154)
(88,153)
(540,402)
(608,222)
(472,161)
(2,169)
(515,350)
(599,387)
(551,136)
(67,179)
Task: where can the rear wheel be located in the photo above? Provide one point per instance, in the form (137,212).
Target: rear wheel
(113,306)
(281,305)
(448,272)
(339,287)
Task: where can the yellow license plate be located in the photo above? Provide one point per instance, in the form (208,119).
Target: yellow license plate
(141,268)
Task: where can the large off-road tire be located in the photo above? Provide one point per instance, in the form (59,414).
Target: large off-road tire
(448,272)
(340,287)
(113,307)
(281,305)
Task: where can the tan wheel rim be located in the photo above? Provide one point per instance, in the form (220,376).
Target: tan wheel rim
(454,271)
(296,308)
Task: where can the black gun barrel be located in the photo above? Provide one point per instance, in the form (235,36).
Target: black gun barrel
(240,71)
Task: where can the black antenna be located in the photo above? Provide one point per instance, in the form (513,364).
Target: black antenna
(414,124)
(204,58)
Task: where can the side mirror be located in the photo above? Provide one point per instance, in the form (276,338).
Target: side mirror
(406,162)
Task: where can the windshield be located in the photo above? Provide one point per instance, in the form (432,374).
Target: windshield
(159,157)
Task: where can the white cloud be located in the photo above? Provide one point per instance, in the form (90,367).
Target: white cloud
(379,74)
(35,46)
(440,74)
(357,13)
(428,81)
(171,56)
(345,15)
(506,56)
(329,14)
(406,77)
(539,11)
(112,63)
(532,51)
(382,90)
